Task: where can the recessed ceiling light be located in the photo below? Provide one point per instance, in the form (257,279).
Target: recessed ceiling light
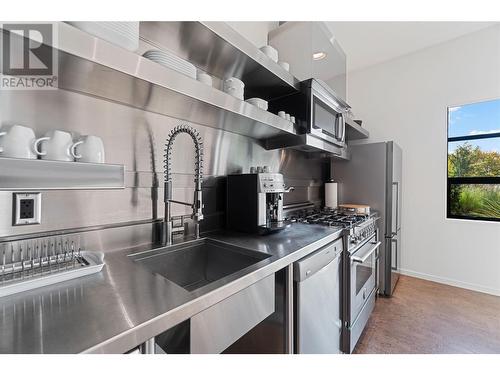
(319,55)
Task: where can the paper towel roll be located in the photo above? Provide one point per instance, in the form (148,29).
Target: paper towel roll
(331,195)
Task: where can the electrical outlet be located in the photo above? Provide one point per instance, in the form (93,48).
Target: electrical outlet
(27,208)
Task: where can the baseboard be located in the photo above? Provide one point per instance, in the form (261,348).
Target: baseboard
(452,282)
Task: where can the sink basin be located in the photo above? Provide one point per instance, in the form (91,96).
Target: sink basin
(196,264)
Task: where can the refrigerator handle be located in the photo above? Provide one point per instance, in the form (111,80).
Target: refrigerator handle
(395,266)
(397,208)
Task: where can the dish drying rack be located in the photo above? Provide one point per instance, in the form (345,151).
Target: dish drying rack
(31,264)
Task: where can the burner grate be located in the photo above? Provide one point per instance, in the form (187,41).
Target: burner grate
(328,217)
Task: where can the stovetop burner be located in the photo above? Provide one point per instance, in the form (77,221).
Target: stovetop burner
(328,217)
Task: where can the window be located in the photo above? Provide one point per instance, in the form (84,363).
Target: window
(474,161)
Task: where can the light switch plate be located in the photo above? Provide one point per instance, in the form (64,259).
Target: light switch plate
(27,208)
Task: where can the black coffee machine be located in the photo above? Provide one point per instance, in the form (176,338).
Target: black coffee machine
(255,202)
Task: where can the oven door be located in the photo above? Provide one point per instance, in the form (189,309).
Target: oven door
(363,275)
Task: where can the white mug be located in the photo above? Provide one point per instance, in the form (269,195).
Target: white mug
(57,145)
(19,142)
(89,149)
(234,83)
(282,114)
(204,78)
(284,65)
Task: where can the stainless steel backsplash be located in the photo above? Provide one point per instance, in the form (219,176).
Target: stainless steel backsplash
(136,138)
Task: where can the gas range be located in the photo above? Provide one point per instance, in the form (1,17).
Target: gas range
(356,228)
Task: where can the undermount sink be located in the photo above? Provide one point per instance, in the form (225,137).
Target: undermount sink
(196,264)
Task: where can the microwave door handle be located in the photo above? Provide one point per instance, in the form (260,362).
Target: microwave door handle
(363,258)
(340,127)
(343,126)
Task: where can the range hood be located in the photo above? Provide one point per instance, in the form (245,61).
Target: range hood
(317,147)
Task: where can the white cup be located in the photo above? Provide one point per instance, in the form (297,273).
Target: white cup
(287,116)
(234,82)
(19,142)
(57,145)
(270,52)
(204,78)
(235,87)
(292,119)
(233,91)
(282,114)
(284,65)
(89,149)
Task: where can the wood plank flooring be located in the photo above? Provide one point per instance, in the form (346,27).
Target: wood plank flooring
(427,317)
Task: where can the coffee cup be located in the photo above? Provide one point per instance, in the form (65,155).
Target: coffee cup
(204,78)
(234,87)
(284,65)
(89,149)
(270,52)
(57,145)
(18,142)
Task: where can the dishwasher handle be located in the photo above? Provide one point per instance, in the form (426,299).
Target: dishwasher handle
(364,257)
(311,264)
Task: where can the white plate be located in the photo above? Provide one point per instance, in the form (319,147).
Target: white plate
(123,34)
(171,61)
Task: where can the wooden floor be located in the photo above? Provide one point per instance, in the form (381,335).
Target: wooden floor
(427,317)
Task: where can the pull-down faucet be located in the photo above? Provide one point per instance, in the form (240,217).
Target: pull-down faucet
(197,204)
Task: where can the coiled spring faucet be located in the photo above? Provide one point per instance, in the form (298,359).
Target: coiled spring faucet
(197,204)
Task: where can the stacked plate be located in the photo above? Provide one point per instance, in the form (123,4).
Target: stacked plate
(169,60)
(123,34)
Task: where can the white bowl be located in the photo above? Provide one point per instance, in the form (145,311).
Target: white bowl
(284,65)
(258,102)
(270,52)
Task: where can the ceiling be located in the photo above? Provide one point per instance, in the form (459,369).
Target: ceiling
(370,43)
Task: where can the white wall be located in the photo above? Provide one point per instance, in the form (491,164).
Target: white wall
(254,31)
(406,100)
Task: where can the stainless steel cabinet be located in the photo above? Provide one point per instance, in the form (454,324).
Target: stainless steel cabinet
(217,327)
(319,56)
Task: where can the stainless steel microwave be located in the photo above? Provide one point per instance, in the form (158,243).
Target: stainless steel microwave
(317,109)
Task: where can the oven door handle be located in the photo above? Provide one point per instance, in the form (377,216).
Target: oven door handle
(363,258)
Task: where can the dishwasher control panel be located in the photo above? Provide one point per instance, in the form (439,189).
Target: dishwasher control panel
(309,265)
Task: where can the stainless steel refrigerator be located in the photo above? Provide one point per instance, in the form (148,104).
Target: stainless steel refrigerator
(373,176)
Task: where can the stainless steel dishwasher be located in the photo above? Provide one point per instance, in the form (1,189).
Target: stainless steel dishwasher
(318,322)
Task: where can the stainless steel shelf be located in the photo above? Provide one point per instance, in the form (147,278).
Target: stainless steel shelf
(92,66)
(221,51)
(34,174)
(316,147)
(354,131)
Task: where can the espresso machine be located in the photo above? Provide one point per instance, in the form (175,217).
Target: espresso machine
(255,202)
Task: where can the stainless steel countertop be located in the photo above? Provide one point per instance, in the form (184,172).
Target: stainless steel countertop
(126,305)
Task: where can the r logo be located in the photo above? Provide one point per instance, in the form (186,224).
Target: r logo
(26,49)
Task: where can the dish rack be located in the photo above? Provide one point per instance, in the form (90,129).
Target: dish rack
(31,264)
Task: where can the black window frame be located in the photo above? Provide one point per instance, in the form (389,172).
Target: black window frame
(450,181)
